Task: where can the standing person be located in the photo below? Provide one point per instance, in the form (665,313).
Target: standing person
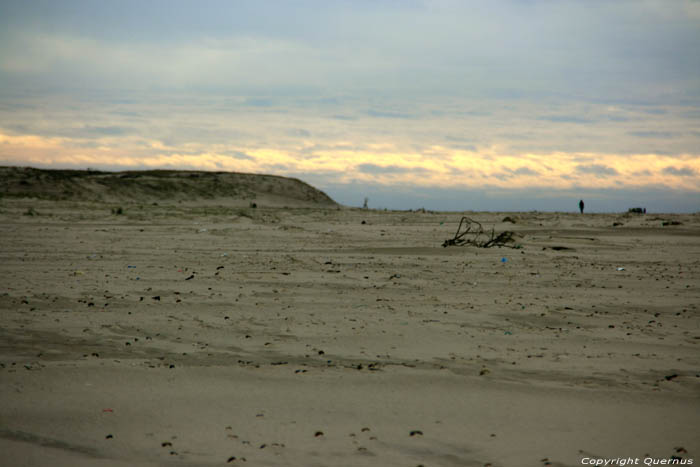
(580,206)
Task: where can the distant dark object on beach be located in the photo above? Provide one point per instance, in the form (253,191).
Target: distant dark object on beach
(665,223)
(508,219)
(637,210)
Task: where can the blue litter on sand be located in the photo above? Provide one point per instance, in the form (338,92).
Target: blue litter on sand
(503,260)
(131,267)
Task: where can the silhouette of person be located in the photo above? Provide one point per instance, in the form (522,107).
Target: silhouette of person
(581,205)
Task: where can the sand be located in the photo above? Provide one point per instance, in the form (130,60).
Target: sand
(197,335)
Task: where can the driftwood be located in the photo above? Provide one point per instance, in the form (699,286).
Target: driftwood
(471,232)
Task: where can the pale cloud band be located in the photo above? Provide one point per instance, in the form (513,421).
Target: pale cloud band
(435,167)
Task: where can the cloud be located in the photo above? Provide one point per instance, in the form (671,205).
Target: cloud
(508,50)
(387,114)
(106,130)
(340,162)
(679,172)
(388,169)
(258,102)
(524,171)
(460,142)
(564,119)
(299,132)
(597,170)
(618,118)
(655,111)
(76,131)
(239,155)
(509,173)
(652,134)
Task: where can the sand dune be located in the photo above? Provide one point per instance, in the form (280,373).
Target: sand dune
(198,334)
(181,186)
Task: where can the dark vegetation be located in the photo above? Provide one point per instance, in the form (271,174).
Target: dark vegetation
(471,232)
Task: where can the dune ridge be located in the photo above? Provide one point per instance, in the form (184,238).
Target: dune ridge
(158,185)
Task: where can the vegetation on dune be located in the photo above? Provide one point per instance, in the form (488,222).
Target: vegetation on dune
(174,185)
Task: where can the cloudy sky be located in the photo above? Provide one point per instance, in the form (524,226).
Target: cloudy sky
(483,105)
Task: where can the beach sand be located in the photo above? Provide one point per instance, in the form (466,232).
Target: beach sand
(198,334)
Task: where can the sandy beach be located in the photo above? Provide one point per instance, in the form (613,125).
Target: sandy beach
(349,233)
(203,334)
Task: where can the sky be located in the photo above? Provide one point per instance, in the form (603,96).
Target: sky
(511,105)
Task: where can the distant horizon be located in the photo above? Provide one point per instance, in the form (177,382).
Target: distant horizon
(380,198)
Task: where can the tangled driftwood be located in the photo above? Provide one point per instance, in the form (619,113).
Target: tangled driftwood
(471,232)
